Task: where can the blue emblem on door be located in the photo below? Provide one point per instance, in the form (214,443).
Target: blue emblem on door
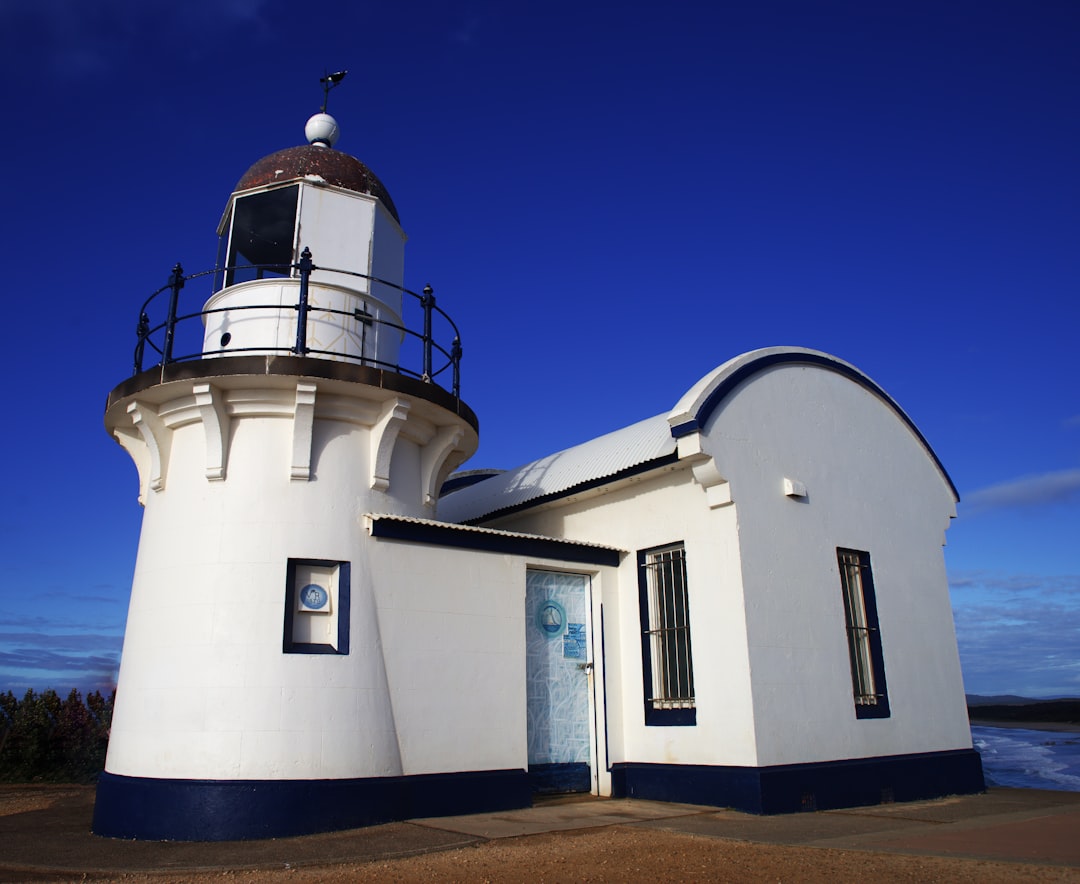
(551,618)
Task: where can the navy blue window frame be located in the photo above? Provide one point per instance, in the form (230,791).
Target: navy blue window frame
(865,653)
(288,646)
(675,717)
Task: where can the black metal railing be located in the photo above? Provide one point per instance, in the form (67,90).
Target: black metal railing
(434,359)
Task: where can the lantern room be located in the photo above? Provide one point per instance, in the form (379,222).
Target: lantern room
(317,199)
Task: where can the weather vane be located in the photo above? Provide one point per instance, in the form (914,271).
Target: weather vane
(329,81)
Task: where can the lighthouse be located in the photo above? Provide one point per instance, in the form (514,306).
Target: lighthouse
(273,403)
(740,601)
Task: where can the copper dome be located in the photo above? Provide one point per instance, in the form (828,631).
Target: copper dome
(333,166)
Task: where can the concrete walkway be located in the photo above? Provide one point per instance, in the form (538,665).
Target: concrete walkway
(1017,825)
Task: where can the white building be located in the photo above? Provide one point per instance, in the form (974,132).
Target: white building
(741,602)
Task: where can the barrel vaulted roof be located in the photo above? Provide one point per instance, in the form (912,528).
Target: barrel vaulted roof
(647,444)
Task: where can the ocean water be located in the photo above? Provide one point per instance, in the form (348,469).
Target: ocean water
(1028,759)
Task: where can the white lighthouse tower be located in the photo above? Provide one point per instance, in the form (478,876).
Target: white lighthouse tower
(252,698)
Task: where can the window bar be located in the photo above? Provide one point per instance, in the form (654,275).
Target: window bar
(687,672)
(664,573)
(659,664)
(675,690)
(862,666)
(661,621)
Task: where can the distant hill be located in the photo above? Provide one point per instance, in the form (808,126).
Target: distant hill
(1001,700)
(1018,709)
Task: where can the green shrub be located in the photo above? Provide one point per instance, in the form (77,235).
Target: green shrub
(44,739)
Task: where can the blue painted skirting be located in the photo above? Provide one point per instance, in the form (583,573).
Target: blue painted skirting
(796,787)
(238,810)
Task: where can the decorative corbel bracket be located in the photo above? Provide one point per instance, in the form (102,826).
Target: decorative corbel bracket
(215,423)
(131,441)
(433,459)
(303,427)
(158,439)
(383,436)
(706,473)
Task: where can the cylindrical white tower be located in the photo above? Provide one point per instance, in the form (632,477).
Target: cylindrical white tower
(252,698)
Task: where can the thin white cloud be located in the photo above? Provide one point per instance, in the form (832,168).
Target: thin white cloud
(1060,486)
(59,623)
(84,661)
(75,643)
(64,595)
(75,668)
(1017,633)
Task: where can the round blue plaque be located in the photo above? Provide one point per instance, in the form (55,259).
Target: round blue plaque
(314,596)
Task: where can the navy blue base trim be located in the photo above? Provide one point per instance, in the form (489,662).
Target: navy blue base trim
(572,776)
(790,788)
(666,717)
(239,810)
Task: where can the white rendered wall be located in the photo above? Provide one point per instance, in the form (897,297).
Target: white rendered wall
(658,510)
(451,626)
(262,313)
(771,671)
(205,690)
(351,231)
(387,258)
(870,486)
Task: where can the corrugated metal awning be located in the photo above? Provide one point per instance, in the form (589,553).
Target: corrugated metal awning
(605,456)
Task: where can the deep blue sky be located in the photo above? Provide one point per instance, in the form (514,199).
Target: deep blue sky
(611,200)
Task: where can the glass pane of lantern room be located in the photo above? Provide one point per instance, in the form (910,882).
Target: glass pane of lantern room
(262,235)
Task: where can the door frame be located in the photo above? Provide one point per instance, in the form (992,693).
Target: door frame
(599,773)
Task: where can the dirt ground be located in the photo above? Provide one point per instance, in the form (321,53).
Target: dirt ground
(615,853)
(625,853)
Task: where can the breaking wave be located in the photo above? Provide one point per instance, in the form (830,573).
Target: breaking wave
(1029,759)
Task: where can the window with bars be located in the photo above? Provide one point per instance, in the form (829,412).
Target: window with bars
(665,623)
(863,634)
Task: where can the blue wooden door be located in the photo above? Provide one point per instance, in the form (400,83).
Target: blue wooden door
(557,687)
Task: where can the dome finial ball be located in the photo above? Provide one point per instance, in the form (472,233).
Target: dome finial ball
(322,130)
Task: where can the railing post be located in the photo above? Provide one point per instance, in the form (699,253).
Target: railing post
(455,357)
(176,282)
(305,267)
(428,303)
(142,331)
